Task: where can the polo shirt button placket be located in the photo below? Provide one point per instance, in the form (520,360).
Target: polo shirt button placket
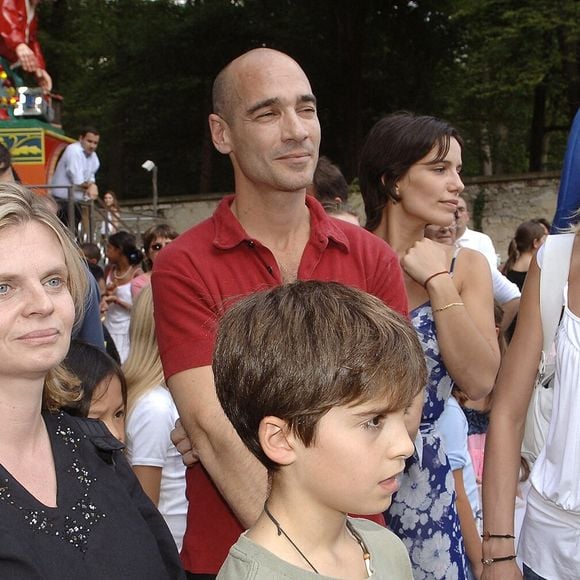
(252,246)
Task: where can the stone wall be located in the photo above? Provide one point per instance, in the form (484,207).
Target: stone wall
(497,204)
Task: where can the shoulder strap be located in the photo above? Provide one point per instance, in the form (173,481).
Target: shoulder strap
(454,259)
(553,277)
(97,432)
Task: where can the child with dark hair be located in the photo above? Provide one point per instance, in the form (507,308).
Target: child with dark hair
(463,425)
(92,254)
(316,377)
(330,188)
(124,258)
(103,387)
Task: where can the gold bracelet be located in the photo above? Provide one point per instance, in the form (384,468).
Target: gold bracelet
(448,306)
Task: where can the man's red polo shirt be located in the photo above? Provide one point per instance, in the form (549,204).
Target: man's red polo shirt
(201,274)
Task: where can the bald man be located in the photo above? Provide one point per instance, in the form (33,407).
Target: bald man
(270,232)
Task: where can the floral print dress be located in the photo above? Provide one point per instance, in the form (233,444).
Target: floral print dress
(423,513)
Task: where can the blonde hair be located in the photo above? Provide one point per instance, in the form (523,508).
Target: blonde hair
(143,370)
(19,206)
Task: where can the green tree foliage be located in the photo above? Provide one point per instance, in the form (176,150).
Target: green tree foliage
(517,72)
(141,71)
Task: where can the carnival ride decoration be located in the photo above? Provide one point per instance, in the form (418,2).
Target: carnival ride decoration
(29,113)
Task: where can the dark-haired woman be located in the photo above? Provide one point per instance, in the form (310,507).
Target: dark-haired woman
(113,214)
(410,177)
(124,259)
(154,240)
(527,239)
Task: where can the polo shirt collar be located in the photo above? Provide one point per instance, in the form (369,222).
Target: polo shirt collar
(229,233)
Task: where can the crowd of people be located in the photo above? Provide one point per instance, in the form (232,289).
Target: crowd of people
(335,387)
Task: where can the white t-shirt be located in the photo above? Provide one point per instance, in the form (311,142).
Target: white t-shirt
(149,443)
(504,290)
(480,242)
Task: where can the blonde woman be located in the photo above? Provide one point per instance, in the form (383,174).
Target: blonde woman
(151,415)
(70,506)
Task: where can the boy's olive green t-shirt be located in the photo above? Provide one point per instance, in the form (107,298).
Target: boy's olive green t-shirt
(249,561)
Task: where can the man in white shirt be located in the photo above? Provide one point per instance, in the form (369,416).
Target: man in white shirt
(76,169)
(467,238)
(506,293)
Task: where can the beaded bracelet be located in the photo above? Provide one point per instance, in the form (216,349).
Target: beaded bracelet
(491,561)
(449,306)
(433,276)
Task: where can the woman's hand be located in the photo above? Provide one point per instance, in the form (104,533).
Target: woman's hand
(111,298)
(423,259)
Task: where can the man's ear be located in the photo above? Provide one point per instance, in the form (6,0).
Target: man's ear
(220,133)
(277,440)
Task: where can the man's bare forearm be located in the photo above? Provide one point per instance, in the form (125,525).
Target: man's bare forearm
(238,475)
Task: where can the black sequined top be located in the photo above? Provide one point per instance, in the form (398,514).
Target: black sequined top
(104,526)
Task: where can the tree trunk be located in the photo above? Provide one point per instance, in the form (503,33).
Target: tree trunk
(570,51)
(486,157)
(538,128)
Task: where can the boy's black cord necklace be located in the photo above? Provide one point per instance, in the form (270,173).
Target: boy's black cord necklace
(281,532)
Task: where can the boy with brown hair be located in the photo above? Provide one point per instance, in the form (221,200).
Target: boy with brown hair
(316,377)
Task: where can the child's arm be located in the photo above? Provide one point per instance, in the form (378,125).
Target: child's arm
(453,427)
(468,526)
(150,479)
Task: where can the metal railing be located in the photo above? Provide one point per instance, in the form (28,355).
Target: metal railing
(89,221)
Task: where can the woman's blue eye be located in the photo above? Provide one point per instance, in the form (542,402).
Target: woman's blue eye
(56,282)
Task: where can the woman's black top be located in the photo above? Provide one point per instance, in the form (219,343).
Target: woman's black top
(104,526)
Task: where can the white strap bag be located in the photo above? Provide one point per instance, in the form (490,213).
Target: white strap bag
(553,276)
